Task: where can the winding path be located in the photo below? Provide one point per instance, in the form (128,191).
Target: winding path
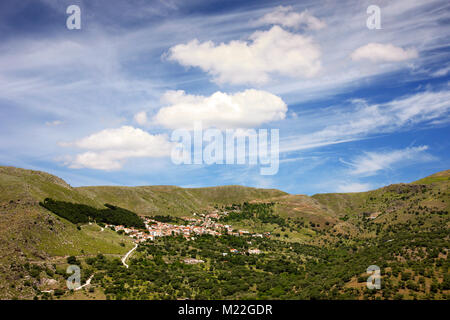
(88,281)
(126,256)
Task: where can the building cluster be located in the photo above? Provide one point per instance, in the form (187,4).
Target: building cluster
(254,251)
(235,251)
(199,225)
(192,261)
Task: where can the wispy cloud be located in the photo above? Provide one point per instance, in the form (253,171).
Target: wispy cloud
(401,28)
(287,17)
(53,123)
(441,72)
(371,163)
(354,187)
(365,120)
(111,74)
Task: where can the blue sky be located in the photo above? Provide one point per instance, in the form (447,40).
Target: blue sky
(357,108)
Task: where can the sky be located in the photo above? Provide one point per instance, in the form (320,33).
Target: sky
(357,108)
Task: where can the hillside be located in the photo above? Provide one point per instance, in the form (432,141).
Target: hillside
(403,227)
(424,202)
(443,176)
(28,232)
(176,201)
(29,187)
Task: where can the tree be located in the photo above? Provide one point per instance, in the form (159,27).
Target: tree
(72,260)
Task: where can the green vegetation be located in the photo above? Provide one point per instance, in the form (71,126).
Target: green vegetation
(262,212)
(282,270)
(175,201)
(168,219)
(435,178)
(319,247)
(80,213)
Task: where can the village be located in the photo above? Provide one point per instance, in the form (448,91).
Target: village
(200,224)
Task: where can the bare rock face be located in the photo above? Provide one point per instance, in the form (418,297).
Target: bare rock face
(49,283)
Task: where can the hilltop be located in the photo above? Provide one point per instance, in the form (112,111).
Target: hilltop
(30,186)
(172,200)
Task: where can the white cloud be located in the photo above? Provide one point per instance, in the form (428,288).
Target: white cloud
(246,109)
(286,17)
(87,78)
(420,107)
(376,52)
(371,163)
(109,148)
(406,24)
(354,187)
(441,72)
(53,123)
(251,62)
(362,120)
(141,118)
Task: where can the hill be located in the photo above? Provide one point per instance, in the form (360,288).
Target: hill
(402,227)
(29,187)
(176,201)
(443,176)
(28,232)
(423,202)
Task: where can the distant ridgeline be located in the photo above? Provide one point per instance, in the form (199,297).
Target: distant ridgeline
(81,213)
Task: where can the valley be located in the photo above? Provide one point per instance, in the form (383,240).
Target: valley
(229,242)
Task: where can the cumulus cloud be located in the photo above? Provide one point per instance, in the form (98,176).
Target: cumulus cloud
(354,187)
(286,17)
(110,148)
(251,62)
(246,109)
(378,52)
(371,163)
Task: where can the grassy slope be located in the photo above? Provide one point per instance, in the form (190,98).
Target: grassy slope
(20,192)
(390,198)
(176,201)
(307,208)
(31,231)
(391,205)
(443,176)
(29,186)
